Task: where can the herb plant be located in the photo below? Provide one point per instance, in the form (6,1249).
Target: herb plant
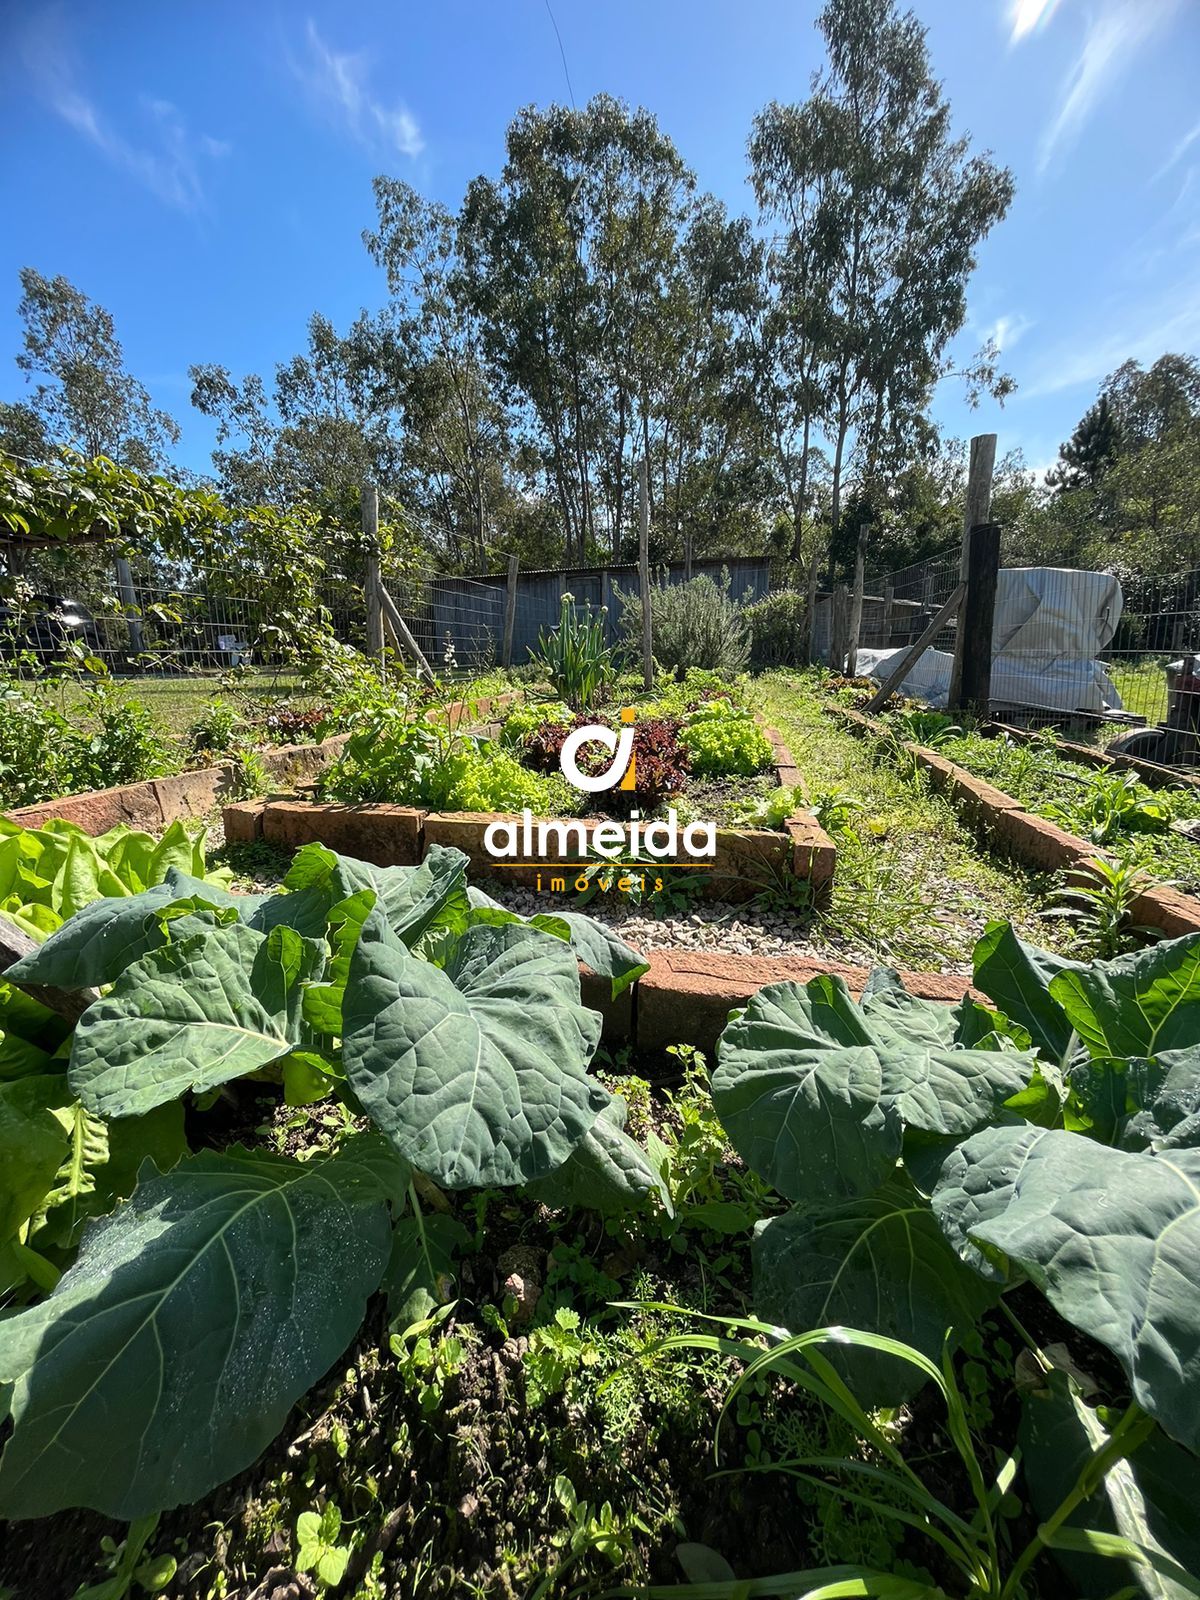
(575,656)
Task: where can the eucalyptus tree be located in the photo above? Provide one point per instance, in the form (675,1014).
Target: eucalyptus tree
(458,454)
(324,425)
(83,396)
(878,212)
(572,258)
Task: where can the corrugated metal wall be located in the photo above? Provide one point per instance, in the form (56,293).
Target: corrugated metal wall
(469,611)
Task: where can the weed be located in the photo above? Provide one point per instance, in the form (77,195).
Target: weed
(1101,907)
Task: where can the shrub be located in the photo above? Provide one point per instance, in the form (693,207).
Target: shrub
(526,719)
(291,725)
(43,754)
(396,762)
(776,626)
(694,624)
(725,741)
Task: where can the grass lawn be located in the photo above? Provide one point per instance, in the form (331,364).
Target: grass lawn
(913,884)
(1142,685)
(177,702)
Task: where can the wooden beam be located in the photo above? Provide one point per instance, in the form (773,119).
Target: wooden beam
(856,601)
(510,613)
(400,629)
(372,582)
(915,651)
(810,610)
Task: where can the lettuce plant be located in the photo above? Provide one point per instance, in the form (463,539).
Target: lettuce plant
(935,1156)
(211,1289)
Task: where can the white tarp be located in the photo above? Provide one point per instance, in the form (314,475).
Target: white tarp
(1050,625)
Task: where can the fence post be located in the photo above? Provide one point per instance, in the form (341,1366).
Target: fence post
(979,490)
(856,604)
(889,605)
(644,571)
(133,620)
(971,686)
(373,582)
(839,621)
(510,613)
(810,611)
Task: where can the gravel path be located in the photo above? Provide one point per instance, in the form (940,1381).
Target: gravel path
(743,930)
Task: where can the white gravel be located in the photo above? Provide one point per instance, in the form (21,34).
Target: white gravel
(743,930)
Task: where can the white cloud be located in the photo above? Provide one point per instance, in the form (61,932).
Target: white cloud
(339,82)
(1178,153)
(1005,332)
(166,162)
(1127,333)
(1026,15)
(1113,35)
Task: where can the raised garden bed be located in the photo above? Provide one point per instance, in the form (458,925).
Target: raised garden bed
(156,803)
(1022,834)
(747,860)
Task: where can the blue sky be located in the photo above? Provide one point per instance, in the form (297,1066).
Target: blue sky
(204,170)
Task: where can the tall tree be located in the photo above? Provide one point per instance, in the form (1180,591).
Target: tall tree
(1089,452)
(578,265)
(880,212)
(82,394)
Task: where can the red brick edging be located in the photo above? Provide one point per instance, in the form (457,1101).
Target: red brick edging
(1021,834)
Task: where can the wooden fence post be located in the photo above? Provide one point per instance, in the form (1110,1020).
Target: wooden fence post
(372,582)
(644,571)
(510,613)
(973,644)
(979,490)
(839,628)
(856,603)
(810,611)
(977,511)
(129,605)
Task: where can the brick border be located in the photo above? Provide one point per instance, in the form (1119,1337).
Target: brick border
(747,859)
(1022,834)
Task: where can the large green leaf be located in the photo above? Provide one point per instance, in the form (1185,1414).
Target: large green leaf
(1110,1237)
(798,1088)
(879,1263)
(596,945)
(194,1318)
(98,942)
(816,1093)
(608,1171)
(191,1016)
(1150,1498)
(477,1074)
(416,901)
(1017,976)
(33,1143)
(420,1272)
(1136,1005)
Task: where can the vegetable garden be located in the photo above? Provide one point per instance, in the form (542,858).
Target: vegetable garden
(353,1242)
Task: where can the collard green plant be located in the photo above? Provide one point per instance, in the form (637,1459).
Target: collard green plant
(1053,1140)
(453,1026)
